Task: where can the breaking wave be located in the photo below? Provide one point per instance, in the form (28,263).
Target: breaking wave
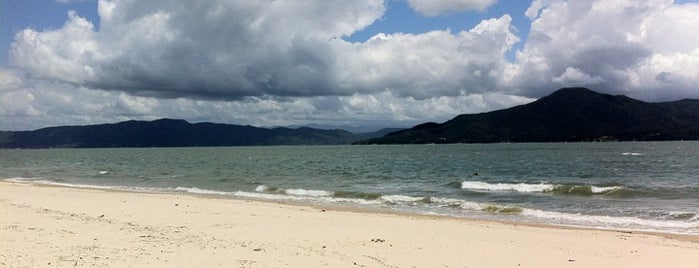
(562,189)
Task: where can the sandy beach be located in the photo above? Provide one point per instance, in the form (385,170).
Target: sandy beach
(43,226)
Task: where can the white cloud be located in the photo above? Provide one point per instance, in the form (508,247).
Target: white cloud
(575,77)
(641,49)
(207,49)
(436,7)
(236,49)
(436,63)
(61,54)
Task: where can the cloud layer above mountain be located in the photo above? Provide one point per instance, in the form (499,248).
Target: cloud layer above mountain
(287,62)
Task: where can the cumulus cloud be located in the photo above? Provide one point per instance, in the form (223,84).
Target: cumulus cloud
(236,49)
(575,77)
(437,63)
(635,48)
(207,49)
(436,7)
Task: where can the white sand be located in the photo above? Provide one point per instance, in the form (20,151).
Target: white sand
(65,227)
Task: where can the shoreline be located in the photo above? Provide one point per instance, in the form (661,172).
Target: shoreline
(371,210)
(215,194)
(58,225)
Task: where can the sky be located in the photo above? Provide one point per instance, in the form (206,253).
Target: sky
(361,63)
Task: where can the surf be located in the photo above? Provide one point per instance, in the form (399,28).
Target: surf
(558,189)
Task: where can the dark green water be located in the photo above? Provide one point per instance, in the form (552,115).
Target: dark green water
(630,186)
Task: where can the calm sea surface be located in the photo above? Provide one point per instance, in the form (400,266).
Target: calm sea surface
(628,186)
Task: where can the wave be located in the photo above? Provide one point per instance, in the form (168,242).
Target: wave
(60,183)
(318,193)
(359,195)
(562,189)
(404,199)
(514,187)
(310,193)
(294,192)
(195,190)
(586,190)
(383,199)
(688,226)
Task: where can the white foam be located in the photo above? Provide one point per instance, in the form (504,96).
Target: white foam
(22,179)
(401,198)
(614,222)
(261,188)
(195,190)
(516,187)
(84,186)
(601,190)
(631,153)
(312,193)
(260,195)
(303,195)
(463,204)
(47,182)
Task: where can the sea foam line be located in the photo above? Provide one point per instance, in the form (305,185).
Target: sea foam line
(615,222)
(539,188)
(85,186)
(516,187)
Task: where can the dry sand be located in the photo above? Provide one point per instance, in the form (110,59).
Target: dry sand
(65,227)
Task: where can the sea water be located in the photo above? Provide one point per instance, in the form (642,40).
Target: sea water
(648,186)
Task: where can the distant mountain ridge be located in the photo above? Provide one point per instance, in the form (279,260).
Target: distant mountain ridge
(567,115)
(173,133)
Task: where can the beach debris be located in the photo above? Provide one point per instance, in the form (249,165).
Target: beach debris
(258,249)
(246,262)
(101,216)
(377,240)
(571,260)
(360,265)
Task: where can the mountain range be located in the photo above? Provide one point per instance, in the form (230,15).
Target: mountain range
(567,115)
(175,133)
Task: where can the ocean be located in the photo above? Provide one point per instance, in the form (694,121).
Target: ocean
(632,186)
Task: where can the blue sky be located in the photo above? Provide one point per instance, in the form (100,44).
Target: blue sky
(331,62)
